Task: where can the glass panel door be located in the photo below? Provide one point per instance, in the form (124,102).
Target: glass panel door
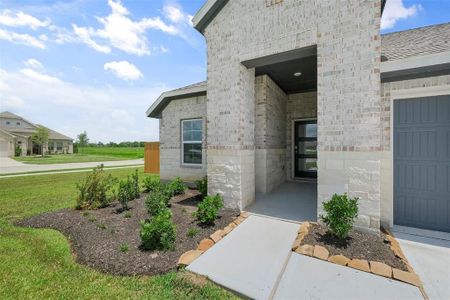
(305,149)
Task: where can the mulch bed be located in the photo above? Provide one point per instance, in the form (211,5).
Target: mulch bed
(359,245)
(96,235)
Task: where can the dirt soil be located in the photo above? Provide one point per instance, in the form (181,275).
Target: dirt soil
(358,245)
(96,236)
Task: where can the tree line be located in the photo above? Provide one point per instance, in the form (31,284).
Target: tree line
(82,141)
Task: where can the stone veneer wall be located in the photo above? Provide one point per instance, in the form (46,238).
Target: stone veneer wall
(348,99)
(270,134)
(170,138)
(387,89)
(299,106)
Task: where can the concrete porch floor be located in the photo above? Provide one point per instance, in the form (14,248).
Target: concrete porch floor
(293,200)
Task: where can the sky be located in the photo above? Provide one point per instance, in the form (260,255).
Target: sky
(97,65)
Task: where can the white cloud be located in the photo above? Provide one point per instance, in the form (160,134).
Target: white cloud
(120,31)
(33,63)
(175,14)
(21,39)
(123,69)
(76,107)
(30,73)
(395,10)
(21,19)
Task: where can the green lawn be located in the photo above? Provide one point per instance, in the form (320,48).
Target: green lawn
(87,155)
(38,263)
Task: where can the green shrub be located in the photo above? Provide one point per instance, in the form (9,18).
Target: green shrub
(151,184)
(135,184)
(159,233)
(17,151)
(176,187)
(124,247)
(192,232)
(156,202)
(341,212)
(208,209)
(202,186)
(125,193)
(94,191)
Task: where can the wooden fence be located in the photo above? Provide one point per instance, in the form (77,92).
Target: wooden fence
(151,157)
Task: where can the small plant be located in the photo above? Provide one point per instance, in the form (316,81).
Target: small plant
(127,215)
(124,247)
(151,184)
(156,202)
(192,232)
(208,209)
(341,212)
(94,191)
(125,193)
(100,225)
(202,186)
(91,218)
(86,213)
(159,233)
(176,187)
(135,184)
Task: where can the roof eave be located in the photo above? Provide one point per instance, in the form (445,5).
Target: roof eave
(158,106)
(207,13)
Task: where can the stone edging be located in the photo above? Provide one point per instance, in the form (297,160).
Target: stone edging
(373,267)
(189,256)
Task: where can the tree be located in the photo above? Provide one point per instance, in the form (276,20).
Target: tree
(40,137)
(82,140)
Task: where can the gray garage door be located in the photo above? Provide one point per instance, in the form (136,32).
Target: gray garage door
(422,162)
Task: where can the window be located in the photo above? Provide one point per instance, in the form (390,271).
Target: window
(191,141)
(59,146)
(51,146)
(7,122)
(305,148)
(18,123)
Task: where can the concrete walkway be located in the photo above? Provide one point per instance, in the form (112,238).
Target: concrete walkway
(429,254)
(8,165)
(255,260)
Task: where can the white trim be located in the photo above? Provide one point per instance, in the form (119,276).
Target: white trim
(202,12)
(407,93)
(416,62)
(190,142)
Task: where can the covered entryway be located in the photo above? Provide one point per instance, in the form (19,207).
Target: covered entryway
(422,162)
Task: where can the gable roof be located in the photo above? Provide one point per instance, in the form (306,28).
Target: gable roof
(10,115)
(211,8)
(416,42)
(191,90)
(54,135)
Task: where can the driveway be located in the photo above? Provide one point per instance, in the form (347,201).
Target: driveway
(9,165)
(429,254)
(255,260)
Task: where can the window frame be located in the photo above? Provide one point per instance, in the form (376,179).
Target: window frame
(183,142)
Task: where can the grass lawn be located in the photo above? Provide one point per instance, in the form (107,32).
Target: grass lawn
(87,155)
(38,263)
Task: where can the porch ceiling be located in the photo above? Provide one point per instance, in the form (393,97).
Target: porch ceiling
(283,74)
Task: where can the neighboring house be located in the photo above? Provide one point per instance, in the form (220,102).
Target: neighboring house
(309,91)
(17,131)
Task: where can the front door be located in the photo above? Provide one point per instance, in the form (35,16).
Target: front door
(305,149)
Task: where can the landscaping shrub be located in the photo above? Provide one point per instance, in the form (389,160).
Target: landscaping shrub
(157,201)
(124,247)
(151,184)
(135,184)
(176,187)
(192,232)
(94,190)
(125,193)
(17,151)
(159,233)
(202,186)
(341,212)
(208,209)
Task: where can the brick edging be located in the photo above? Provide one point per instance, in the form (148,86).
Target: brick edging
(377,268)
(189,256)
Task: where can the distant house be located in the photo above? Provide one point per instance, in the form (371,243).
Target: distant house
(308,96)
(17,131)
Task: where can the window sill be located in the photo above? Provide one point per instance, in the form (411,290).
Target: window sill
(192,166)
